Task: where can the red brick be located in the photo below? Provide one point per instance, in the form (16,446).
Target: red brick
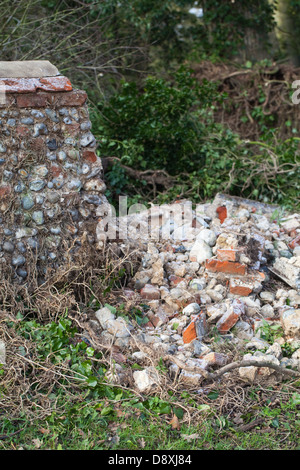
(227,267)
(59,83)
(190,332)
(55,171)
(71,129)
(72,98)
(20,85)
(23,131)
(293,233)
(239,288)
(295,242)
(174,280)
(4,191)
(227,321)
(31,85)
(222,213)
(34,100)
(89,156)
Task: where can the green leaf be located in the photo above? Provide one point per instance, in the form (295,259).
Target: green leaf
(179,412)
(296,398)
(111,308)
(92,382)
(204,407)
(213,395)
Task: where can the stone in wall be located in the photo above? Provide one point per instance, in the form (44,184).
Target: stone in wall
(50,175)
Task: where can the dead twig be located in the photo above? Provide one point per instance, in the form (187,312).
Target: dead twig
(232,366)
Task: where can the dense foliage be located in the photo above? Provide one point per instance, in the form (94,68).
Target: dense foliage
(149,112)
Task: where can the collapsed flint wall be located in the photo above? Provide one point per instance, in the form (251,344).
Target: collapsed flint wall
(50,176)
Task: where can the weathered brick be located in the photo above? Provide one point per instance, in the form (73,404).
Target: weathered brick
(31,85)
(196,328)
(295,242)
(238,287)
(20,85)
(227,255)
(150,292)
(227,267)
(72,98)
(55,171)
(72,130)
(190,332)
(23,131)
(60,83)
(34,100)
(5,191)
(174,280)
(229,318)
(89,155)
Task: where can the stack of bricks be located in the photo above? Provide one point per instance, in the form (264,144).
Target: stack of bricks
(50,176)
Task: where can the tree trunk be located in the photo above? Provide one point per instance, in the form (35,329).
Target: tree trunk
(286,30)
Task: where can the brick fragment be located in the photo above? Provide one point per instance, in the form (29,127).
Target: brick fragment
(150,292)
(175,280)
(222,213)
(238,287)
(228,267)
(227,254)
(295,242)
(72,130)
(89,155)
(195,329)
(229,318)
(4,191)
(190,332)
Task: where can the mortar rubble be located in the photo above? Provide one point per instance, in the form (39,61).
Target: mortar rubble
(205,298)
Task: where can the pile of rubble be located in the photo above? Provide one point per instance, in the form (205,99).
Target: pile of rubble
(229,276)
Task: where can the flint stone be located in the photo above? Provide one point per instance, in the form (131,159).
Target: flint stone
(200,252)
(2,353)
(103,315)
(290,320)
(145,380)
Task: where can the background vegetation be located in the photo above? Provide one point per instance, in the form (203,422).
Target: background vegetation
(165,128)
